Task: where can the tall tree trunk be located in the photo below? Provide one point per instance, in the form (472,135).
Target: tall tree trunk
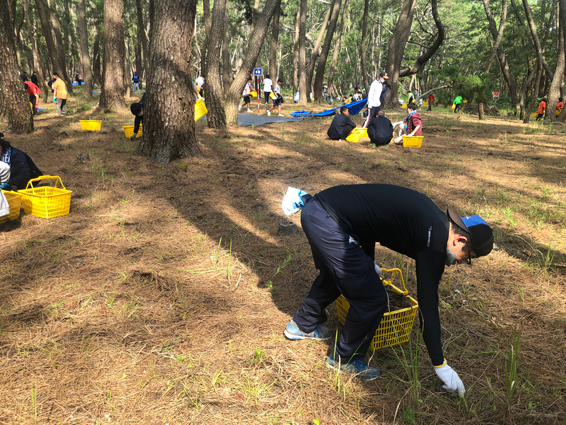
(274,44)
(83,44)
(558,79)
(296,54)
(58,65)
(126,81)
(58,37)
(169,126)
(319,79)
(534,94)
(216,117)
(151,22)
(303,94)
(317,49)
(70,35)
(143,37)
(96,60)
(36,60)
(252,52)
(112,94)
(503,64)
(14,98)
(497,41)
(226,62)
(208,35)
(396,49)
(336,49)
(365,80)
(562,16)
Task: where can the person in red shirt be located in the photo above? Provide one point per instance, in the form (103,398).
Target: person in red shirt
(559,106)
(34,92)
(430,100)
(541,108)
(413,124)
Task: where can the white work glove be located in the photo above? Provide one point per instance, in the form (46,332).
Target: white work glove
(378,271)
(452,382)
(399,140)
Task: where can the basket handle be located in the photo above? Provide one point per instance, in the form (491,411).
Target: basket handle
(389,282)
(45,177)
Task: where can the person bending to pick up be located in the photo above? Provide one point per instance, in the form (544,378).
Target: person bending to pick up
(458,103)
(342,225)
(137,111)
(16,167)
(277,99)
(380,130)
(413,124)
(33,91)
(559,106)
(541,108)
(341,125)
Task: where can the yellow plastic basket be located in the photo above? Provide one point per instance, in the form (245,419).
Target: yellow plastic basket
(91,125)
(200,109)
(412,141)
(425,104)
(129,131)
(404,105)
(356,134)
(15,202)
(395,327)
(46,202)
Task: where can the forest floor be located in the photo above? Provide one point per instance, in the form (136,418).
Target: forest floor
(162,297)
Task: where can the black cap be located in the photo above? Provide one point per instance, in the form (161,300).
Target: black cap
(480,233)
(384,75)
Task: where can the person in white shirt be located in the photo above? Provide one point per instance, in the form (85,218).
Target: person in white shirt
(247,97)
(277,98)
(374,103)
(200,83)
(267,84)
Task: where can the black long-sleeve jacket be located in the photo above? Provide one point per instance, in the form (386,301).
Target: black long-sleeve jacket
(22,169)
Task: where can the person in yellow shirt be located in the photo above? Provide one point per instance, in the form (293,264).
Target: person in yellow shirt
(59,95)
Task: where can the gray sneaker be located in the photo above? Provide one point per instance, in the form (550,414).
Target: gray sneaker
(293,332)
(358,368)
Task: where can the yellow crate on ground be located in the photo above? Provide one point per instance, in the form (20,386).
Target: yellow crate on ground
(129,131)
(395,327)
(91,125)
(200,109)
(46,201)
(412,141)
(15,202)
(425,104)
(356,134)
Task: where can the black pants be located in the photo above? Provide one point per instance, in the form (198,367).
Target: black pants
(32,100)
(458,107)
(266,96)
(539,117)
(380,142)
(344,269)
(429,106)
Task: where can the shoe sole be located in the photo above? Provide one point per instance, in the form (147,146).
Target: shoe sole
(293,337)
(357,375)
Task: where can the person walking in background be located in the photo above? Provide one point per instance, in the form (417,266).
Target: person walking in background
(341,125)
(277,98)
(247,96)
(458,103)
(24,76)
(374,98)
(34,79)
(267,87)
(541,108)
(59,94)
(136,82)
(430,101)
(380,130)
(559,106)
(33,91)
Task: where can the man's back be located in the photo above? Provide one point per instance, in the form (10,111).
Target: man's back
(380,128)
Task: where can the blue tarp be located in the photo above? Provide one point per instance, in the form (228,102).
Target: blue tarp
(354,109)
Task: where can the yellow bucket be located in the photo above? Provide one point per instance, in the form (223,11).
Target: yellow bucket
(200,109)
(404,105)
(129,131)
(412,141)
(356,134)
(425,104)
(534,115)
(14,202)
(395,327)
(46,202)
(91,125)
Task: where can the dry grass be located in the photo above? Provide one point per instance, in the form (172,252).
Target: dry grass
(162,297)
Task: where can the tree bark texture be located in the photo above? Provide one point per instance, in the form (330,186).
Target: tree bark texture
(252,52)
(316,49)
(274,44)
(319,79)
(143,37)
(296,53)
(216,117)
(558,79)
(534,94)
(58,66)
(497,41)
(83,44)
(562,17)
(96,60)
(397,46)
(423,59)
(37,61)
(112,94)
(336,49)
(226,62)
(169,125)
(365,81)
(303,94)
(60,50)
(504,65)
(14,98)
(208,34)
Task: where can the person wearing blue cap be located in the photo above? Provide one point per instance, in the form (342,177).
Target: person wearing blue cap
(342,225)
